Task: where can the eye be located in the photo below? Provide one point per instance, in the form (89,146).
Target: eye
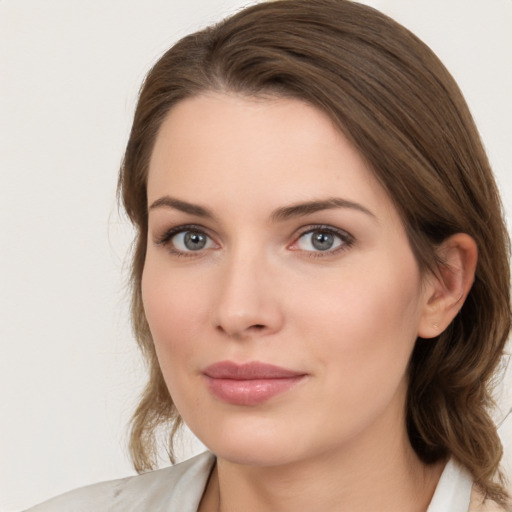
(186,239)
(323,239)
(191,241)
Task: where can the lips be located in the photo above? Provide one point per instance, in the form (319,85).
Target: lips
(250,383)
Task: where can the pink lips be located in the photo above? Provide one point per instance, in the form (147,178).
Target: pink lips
(250,383)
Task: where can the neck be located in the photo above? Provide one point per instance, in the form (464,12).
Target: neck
(383,477)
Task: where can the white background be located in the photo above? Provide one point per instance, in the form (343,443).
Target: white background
(69,75)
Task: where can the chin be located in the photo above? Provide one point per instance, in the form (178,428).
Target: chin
(251,445)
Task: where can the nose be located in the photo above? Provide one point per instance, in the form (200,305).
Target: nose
(247,303)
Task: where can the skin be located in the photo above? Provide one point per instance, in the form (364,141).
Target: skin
(346,318)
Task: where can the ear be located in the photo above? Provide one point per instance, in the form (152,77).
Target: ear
(446,291)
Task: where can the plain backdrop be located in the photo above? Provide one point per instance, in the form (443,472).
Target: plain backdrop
(69,75)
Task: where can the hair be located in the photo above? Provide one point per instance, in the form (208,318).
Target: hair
(398,105)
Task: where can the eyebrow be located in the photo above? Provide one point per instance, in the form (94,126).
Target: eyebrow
(309,207)
(182,206)
(278,215)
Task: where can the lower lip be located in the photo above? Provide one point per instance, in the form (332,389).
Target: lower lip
(250,392)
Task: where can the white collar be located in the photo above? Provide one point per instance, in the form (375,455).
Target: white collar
(453,492)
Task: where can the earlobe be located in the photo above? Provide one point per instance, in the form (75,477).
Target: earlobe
(446,291)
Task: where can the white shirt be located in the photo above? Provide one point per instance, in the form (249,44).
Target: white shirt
(180,488)
(453,492)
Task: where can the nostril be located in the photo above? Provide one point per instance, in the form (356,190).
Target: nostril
(255,328)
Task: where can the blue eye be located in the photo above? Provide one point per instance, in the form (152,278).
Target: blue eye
(190,241)
(186,240)
(322,240)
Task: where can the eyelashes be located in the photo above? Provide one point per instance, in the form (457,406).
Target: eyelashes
(313,241)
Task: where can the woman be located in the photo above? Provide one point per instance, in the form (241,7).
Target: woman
(320,277)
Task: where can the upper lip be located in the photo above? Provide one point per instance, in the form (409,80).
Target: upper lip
(253,370)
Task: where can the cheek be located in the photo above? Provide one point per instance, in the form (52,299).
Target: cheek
(366,328)
(175,315)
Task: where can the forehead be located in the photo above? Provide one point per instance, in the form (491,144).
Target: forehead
(228,149)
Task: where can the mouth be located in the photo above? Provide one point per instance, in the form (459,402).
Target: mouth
(249,383)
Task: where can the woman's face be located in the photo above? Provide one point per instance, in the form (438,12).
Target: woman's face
(280,289)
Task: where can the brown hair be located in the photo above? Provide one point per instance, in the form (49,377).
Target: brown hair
(399,106)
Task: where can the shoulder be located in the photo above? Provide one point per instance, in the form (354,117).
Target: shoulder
(177,488)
